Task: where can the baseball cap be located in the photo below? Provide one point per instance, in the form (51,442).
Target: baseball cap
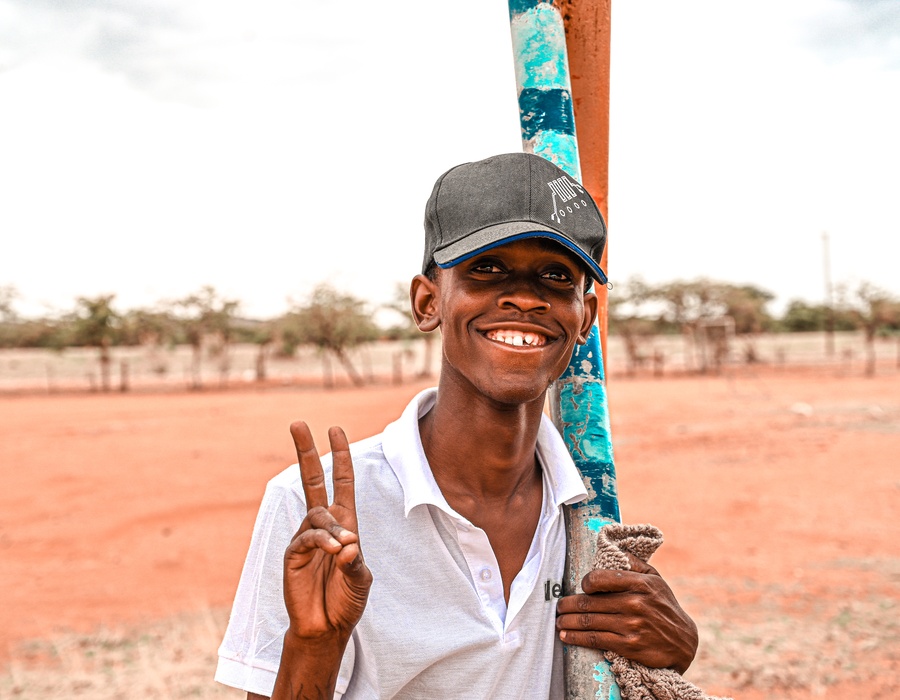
(478,206)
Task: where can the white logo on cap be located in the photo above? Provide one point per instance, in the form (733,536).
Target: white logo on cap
(565,189)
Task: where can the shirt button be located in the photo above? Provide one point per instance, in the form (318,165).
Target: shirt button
(485,574)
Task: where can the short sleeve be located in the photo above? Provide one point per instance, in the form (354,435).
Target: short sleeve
(250,653)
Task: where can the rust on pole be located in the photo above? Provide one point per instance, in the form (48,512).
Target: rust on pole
(588,24)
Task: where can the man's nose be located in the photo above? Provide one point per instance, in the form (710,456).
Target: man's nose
(524,296)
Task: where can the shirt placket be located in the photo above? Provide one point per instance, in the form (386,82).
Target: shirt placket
(484,570)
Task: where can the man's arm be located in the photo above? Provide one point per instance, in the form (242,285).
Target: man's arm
(632,613)
(326,580)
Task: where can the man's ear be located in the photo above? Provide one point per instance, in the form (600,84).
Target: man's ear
(423,298)
(591,306)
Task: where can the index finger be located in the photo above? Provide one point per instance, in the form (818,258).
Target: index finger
(613,581)
(344,480)
(311,473)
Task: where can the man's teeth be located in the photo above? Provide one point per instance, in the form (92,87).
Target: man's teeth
(517,338)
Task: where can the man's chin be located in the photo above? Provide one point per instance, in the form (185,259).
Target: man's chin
(516,393)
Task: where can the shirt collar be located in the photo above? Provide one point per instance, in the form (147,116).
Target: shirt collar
(403,449)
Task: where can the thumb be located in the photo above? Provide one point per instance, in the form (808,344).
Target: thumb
(351,563)
(640,566)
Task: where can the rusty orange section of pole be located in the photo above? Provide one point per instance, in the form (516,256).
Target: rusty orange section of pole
(588,26)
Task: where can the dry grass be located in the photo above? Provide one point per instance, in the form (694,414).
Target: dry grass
(857,642)
(764,648)
(171,659)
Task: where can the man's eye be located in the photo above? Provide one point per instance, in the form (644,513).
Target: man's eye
(557,276)
(487,268)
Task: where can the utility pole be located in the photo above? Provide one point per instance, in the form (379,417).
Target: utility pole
(578,400)
(829,298)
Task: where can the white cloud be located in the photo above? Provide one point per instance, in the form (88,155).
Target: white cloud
(858,29)
(153,147)
(734,147)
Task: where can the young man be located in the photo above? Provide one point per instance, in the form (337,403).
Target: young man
(458,504)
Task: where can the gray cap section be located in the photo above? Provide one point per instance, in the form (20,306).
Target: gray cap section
(477,206)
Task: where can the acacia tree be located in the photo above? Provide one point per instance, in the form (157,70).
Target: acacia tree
(8,316)
(407,329)
(221,321)
(206,316)
(263,336)
(746,305)
(801,316)
(96,324)
(876,310)
(334,323)
(8,295)
(152,329)
(630,308)
(688,304)
(693,304)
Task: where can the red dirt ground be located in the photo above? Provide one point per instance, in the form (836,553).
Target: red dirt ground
(771,488)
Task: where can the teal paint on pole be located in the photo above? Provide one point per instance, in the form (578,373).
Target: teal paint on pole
(578,400)
(539,51)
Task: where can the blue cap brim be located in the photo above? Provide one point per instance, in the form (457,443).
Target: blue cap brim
(594,268)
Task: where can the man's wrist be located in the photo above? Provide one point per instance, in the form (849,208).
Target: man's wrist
(321,647)
(309,666)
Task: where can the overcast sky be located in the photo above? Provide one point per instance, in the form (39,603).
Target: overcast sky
(150,147)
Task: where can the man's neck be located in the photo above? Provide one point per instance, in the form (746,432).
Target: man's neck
(479,448)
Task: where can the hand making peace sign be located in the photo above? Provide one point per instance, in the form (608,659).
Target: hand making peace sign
(326,580)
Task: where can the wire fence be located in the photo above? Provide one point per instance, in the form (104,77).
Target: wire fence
(247,365)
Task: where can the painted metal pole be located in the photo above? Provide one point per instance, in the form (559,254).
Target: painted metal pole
(578,402)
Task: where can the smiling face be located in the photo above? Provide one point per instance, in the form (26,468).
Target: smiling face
(509,318)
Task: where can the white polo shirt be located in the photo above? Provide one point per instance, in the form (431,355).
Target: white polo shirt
(436,623)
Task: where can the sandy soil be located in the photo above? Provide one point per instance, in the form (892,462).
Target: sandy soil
(778,494)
